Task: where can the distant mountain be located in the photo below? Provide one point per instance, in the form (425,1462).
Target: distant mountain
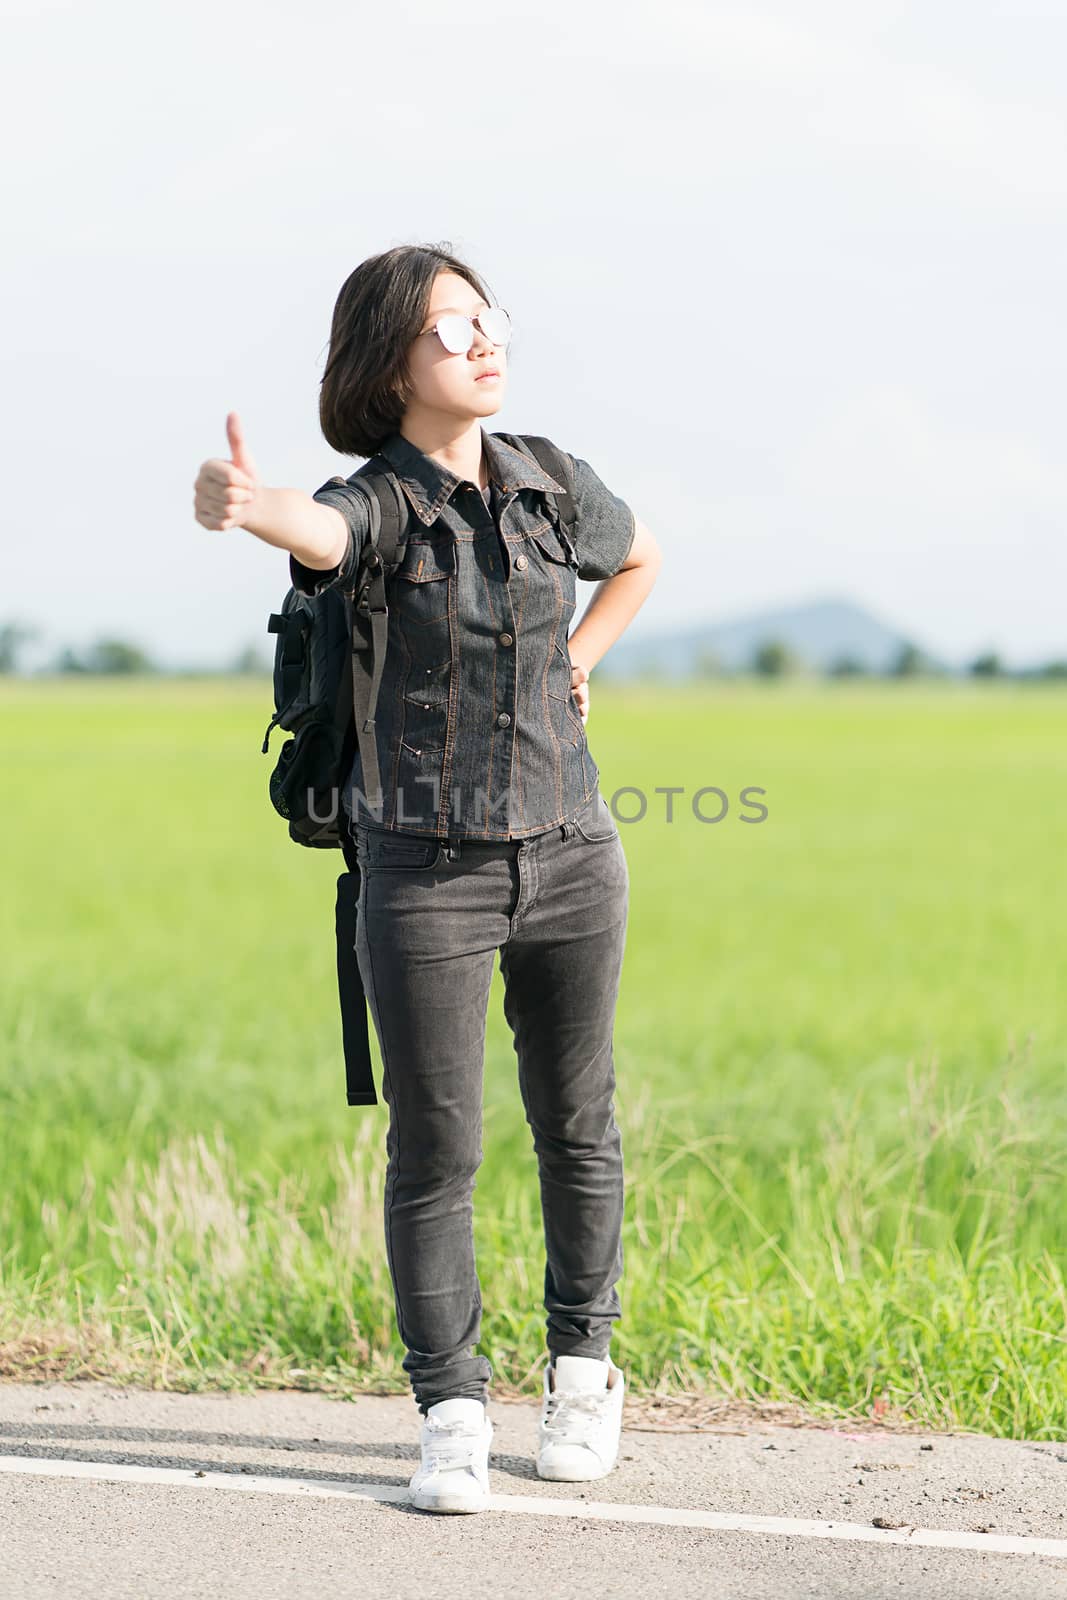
(820,633)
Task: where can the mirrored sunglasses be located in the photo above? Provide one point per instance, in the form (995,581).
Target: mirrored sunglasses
(456,332)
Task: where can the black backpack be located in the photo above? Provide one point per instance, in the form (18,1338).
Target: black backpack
(328,663)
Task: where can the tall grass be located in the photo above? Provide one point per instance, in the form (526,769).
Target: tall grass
(839,1054)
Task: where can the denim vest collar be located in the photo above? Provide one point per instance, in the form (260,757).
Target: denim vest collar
(429,485)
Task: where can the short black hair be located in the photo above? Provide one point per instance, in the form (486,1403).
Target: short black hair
(380,309)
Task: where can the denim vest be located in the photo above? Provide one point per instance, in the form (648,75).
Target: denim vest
(477,729)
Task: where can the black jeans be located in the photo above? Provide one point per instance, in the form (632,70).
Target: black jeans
(432,915)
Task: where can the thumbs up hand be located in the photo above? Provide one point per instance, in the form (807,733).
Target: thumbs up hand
(225,491)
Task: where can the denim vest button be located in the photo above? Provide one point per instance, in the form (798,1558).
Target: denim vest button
(503,720)
(520,562)
(505,638)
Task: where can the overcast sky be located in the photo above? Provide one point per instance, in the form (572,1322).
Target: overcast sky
(789,276)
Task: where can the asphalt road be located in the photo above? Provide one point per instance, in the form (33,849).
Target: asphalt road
(108,1491)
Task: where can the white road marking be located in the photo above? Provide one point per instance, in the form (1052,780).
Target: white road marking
(534,1505)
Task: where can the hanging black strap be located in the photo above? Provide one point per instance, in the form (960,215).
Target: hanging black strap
(355,1033)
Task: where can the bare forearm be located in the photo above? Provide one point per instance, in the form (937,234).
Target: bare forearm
(289,519)
(613,607)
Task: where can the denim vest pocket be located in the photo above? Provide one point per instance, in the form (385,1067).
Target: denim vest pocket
(420,589)
(426,706)
(556,581)
(423,600)
(553,546)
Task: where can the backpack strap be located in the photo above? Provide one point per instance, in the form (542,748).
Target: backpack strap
(357,699)
(555,462)
(381,555)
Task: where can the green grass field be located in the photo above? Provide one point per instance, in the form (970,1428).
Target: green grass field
(840,1051)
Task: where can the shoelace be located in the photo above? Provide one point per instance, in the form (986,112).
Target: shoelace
(445,1453)
(563,1408)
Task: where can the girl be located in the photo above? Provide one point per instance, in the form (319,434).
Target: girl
(489,833)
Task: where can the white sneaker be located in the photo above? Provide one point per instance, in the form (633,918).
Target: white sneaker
(581,1419)
(454,1475)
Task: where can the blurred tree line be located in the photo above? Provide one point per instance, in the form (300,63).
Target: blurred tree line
(773,658)
(110,655)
